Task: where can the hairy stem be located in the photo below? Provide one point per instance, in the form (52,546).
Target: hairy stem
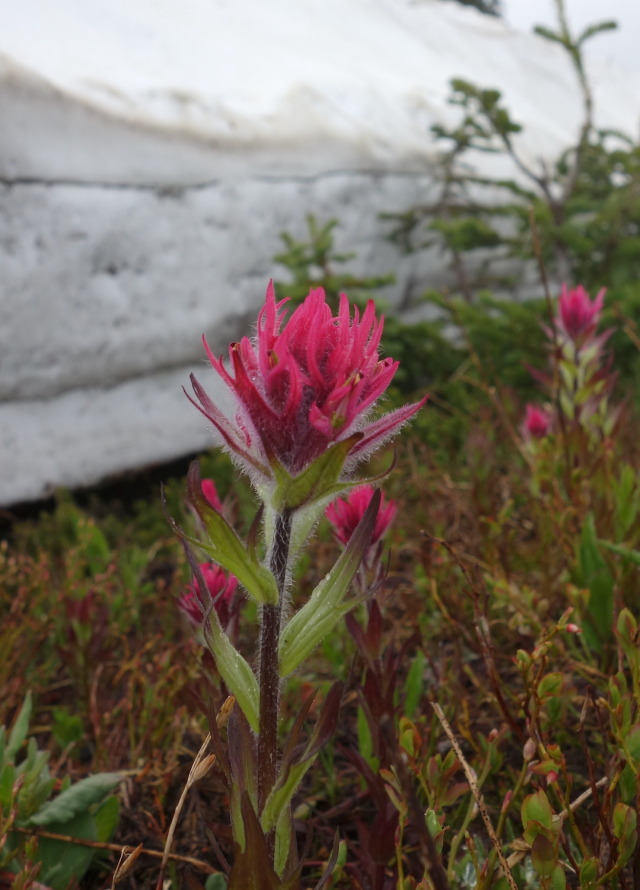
(269,673)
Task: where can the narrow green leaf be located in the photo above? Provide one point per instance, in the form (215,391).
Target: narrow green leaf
(325,606)
(234,670)
(597,577)
(7,779)
(20,728)
(598,28)
(633,555)
(414,684)
(281,796)
(225,547)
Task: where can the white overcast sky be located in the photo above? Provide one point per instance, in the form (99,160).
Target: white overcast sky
(622,46)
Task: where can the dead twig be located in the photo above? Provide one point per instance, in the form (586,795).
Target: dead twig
(473,785)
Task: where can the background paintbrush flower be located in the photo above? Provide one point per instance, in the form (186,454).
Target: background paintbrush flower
(220,589)
(537,422)
(578,316)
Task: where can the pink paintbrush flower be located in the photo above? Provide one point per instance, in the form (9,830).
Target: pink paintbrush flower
(578,314)
(344,514)
(303,384)
(221,587)
(537,422)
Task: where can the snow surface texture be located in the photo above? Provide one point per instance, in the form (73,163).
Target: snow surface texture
(150,154)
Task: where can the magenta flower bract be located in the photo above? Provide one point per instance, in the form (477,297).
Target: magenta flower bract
(537,421)
(304,384)
(221,588)
(344,514)
(578,314)
(212,497)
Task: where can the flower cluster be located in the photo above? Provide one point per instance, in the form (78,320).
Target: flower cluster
(582,382)
(537,422)
(303,385)
(344,514)
(221,587)
(579,316)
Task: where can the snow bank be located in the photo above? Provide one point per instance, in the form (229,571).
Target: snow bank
(150,155)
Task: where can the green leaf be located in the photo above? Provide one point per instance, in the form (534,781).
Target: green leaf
(65,863)
(595,572)
(7,779)
(633,555)
(536,809)
(234,670)
(588,872)
(632,742)
(20,729)
(252,869)
(225,547)
(625,821)
(77,799)
(106,819)
(548,34)
(325,606)
(550,685)
(67,728)
(543,855)
(414,684)
(598,28)
(313,483)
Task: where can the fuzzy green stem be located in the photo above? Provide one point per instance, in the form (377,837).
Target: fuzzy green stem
(269,672)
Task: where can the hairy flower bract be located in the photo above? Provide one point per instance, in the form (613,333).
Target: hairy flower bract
(221,587)
(302,384)
(344,514)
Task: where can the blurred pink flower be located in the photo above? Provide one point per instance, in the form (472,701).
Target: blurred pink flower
(221,587)
(578,314)
(210,492)
(537,422)
(304,384)
(344,514)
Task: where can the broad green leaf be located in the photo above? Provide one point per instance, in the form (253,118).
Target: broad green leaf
(77,799)
(63,863)
(536,808)
(106,819)
(625,822)
(550,685)
(543,855)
